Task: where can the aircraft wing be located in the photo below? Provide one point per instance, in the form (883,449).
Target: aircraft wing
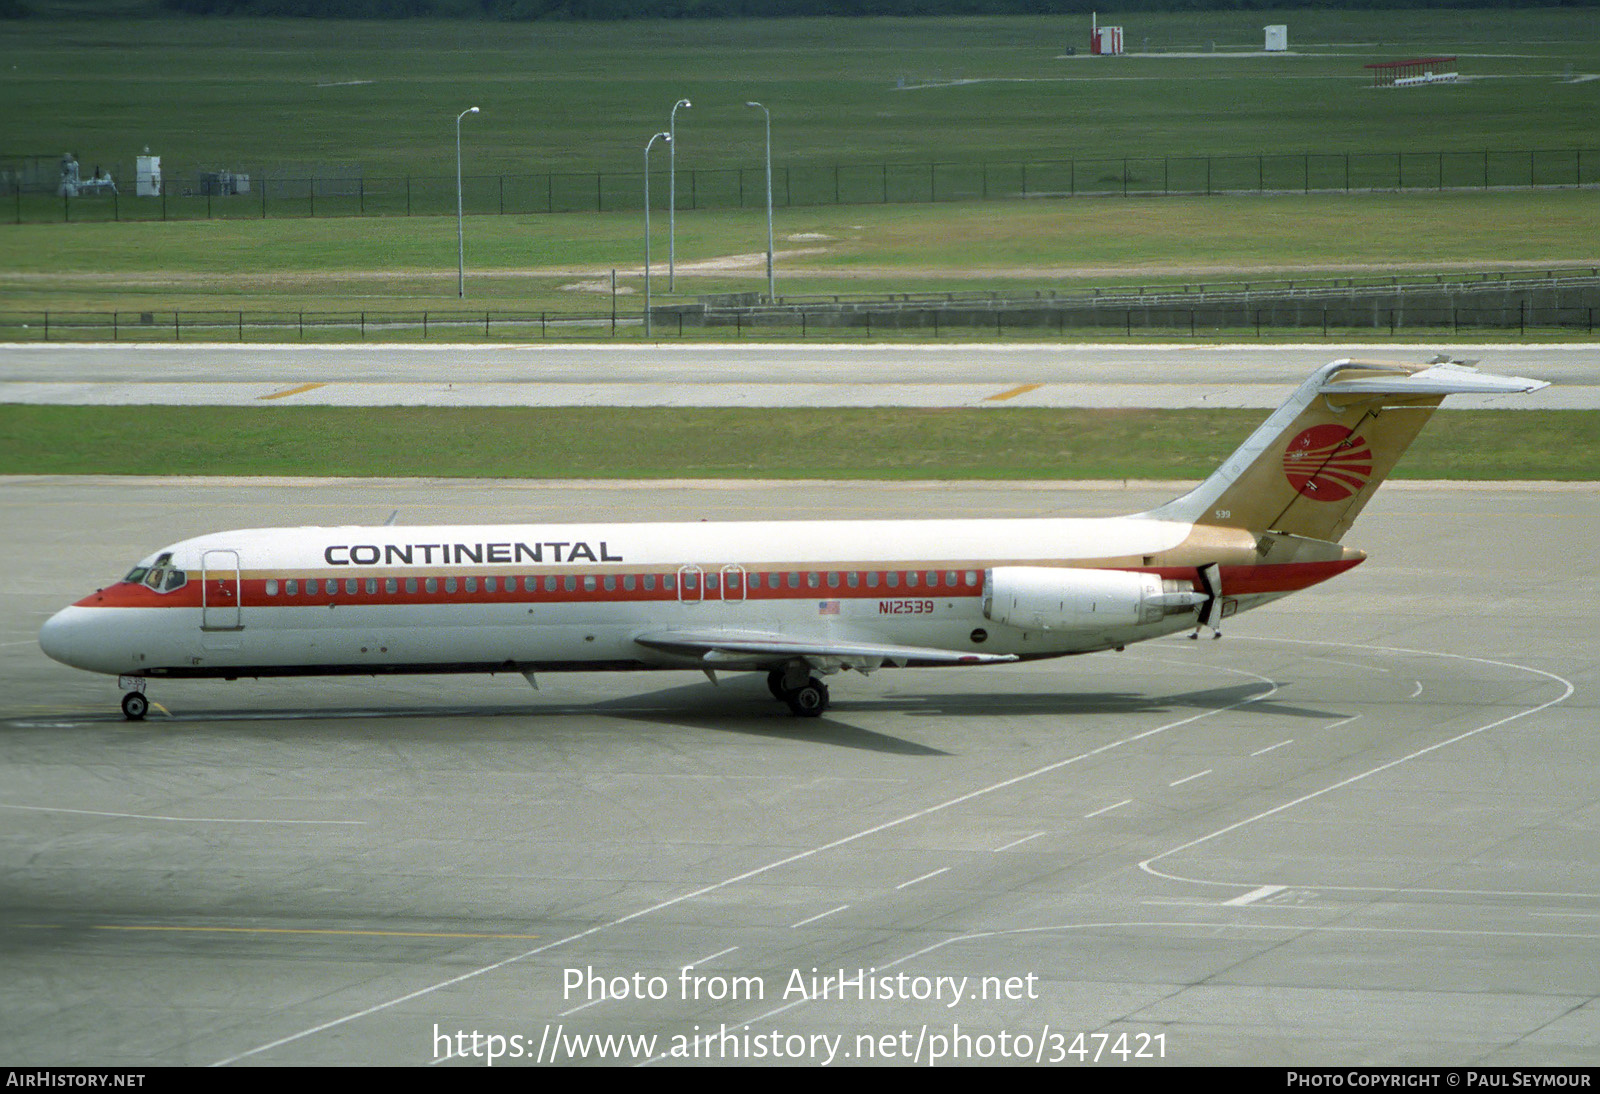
(735,649)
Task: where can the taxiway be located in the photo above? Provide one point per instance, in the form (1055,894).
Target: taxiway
(1362,828)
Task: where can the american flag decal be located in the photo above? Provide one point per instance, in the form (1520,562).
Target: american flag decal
(828,607)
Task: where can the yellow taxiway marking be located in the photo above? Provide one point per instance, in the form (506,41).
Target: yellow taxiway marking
(308,930)
(1013,393)
(291,391)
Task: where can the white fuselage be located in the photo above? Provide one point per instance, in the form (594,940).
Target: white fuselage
(545,597)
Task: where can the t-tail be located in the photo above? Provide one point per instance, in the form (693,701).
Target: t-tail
(1314,464)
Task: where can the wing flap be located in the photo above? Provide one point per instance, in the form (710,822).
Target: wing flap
(735,649)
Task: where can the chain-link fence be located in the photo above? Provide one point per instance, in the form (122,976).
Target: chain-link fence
(350,194)
(963,323)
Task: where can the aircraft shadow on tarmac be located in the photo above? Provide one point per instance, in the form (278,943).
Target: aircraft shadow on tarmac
(734,707)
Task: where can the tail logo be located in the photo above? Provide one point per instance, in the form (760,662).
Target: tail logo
(1328,463)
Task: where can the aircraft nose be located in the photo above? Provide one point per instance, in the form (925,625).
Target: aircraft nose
(59,636)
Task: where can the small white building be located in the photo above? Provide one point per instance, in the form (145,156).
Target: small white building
(147,175)
(1277,38)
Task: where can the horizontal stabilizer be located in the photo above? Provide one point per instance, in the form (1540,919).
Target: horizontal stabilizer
(1434,380)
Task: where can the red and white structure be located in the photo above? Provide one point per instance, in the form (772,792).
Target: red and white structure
(1418,70)
(1103,40)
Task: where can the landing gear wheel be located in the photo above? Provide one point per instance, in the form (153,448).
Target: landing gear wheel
(808,700)
(775,684)
(135,706)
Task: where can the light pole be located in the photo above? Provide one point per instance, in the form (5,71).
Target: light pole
(672,195)
(647,145)
(772,293)
(461,240)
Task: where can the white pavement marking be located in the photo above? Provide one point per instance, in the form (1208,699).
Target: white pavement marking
(157,817)
(924,877)
(1254,895)
(1147,866)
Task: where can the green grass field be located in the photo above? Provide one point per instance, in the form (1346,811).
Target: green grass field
(1014,443)
(256,94)
(381,99)
(562,263)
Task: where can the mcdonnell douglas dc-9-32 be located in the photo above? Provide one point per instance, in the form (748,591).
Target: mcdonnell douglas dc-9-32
(799,601)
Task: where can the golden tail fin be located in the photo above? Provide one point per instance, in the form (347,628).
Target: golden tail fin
(1311,467)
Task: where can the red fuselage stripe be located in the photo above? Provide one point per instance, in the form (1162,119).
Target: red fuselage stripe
(512,589)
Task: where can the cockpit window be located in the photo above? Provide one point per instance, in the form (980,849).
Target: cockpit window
(162,576)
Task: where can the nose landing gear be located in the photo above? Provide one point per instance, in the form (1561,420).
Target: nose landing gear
(134,703)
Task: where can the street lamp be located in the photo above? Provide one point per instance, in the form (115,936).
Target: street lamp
(647,145)
(672,196)
(772,293)
(461,242)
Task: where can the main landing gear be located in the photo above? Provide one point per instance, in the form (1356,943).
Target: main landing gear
(807,696)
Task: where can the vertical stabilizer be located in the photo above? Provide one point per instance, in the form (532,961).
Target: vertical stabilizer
(1311,467)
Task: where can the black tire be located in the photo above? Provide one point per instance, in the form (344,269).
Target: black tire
(135,706)
(808,700)
(775,685)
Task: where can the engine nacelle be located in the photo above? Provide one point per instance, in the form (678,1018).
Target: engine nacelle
(1048,598)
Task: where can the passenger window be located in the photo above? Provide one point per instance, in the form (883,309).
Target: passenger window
(272,587)
(291,587)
